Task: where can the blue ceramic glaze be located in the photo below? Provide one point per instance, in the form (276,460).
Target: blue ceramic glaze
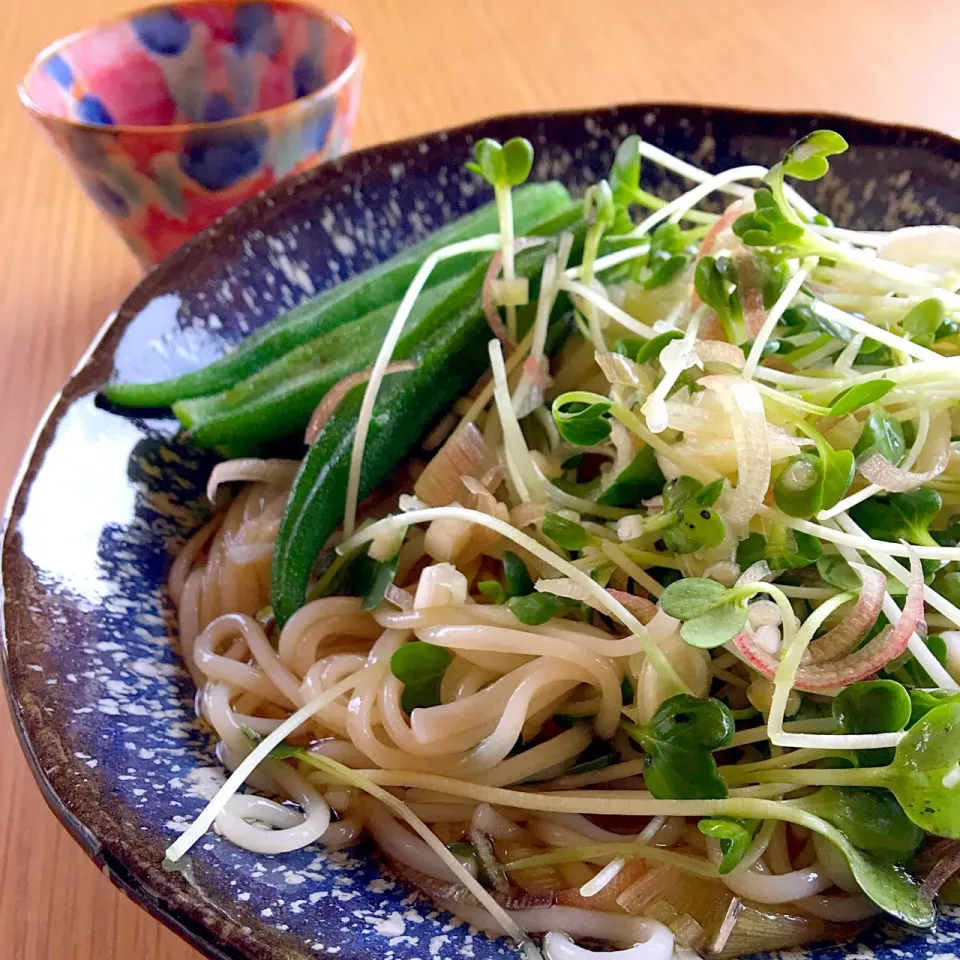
(104,708)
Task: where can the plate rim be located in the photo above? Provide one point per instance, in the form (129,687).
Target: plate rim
(85,376)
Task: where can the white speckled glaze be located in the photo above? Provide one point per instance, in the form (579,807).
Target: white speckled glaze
(104,709)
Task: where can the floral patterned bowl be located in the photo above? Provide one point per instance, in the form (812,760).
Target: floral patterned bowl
(176,113)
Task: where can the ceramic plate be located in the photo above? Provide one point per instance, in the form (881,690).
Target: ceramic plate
(104,710)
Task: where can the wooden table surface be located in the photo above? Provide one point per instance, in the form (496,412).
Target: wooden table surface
(430,63)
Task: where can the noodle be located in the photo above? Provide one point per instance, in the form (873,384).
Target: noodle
(504,682)
(531,700)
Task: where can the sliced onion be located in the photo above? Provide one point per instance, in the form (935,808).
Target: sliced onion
(399,597)
(758,572)
(945,867)
(331,400)
(640,607)
(870,658)
(926,245)
(527,514)
(644,610)
(621,370)
(743,404)
(488,295)
(250,470)
(465,454)
(749,293)
(712,236)
(877,469)
(844,637)
(491,867)
(719,351)
(456,893)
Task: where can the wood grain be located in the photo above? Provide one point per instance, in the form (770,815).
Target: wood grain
(431,63)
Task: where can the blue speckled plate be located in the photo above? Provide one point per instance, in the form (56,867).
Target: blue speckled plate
(103,707)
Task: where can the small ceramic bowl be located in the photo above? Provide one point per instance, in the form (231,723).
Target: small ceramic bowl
(176,113)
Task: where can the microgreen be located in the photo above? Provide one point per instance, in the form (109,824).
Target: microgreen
(881,434)
(950,535)
(860,396)
(679,742)
(624,180)
(493,591)
(597,756)
(807,158)
(913,672)
(774,222)
(566,534)
(506,165)
(631,346)
(922,323)
(651,348)
(381,579)
(503,167)
(598,205)
(711,280)
(924,774)
(900,516)
(947,584)
(419,667)
(516,581)
(712,614)
(872,706)
(871,818)
(836,572)
(923,701)
(669,254)
(785,549)
(639,480)
(515,576)
(581,417)
(734,836)
(768,226)
(949,328)
(812,482)
(537,608)
(687,523)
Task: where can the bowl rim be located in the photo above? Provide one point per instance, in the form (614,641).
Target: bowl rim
(220,945)
(299,103)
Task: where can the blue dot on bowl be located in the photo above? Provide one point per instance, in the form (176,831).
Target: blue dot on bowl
(218,162)
(217,107)
(255,29)
(307,77)
(59,69)
(165,32)
(317,129)
(106,198)
(90,109)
